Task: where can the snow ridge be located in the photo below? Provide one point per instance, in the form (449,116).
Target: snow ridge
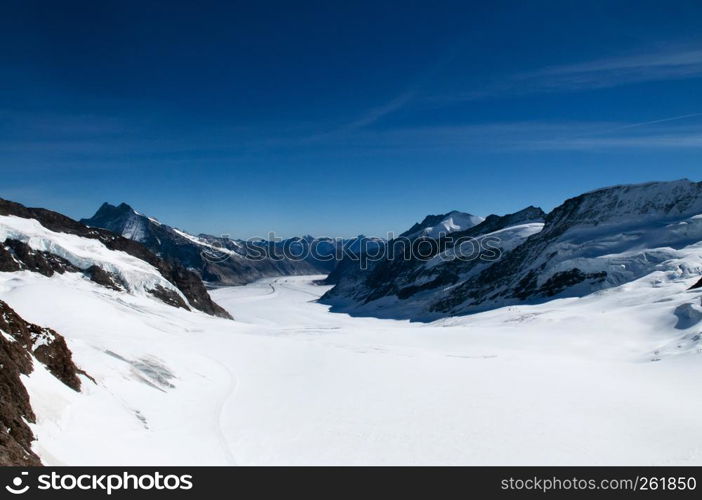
(138,276)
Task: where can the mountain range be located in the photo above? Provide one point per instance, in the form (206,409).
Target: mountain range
(222,260)
(107,323)
(597,240)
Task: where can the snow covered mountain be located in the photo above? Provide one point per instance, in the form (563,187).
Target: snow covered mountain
(126,221)
(46,242)
(220,260)
(434,226)
(597,240)
(415,268)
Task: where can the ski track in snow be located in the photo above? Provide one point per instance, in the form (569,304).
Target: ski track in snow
(229,396)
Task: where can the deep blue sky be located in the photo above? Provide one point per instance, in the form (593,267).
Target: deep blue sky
(336,118)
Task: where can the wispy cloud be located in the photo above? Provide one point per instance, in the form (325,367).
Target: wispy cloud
(687,141)
(664,64)
(411,92)
(368,117)
(373,115)
(669,63)
(683,132)
(653,122)
(650,134)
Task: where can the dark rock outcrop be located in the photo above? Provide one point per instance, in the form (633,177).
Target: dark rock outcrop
(8,263)
(169,297)
(38,261)
(187,282)
(15,411)
(19,341)
(104,278)
(16,255)
(45,344)
(696,285)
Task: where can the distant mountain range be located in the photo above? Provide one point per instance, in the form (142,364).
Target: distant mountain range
(222,260)
(468,263)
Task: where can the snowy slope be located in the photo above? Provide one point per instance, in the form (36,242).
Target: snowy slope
(142,409)
(608,379)
(604,370)
(135,229)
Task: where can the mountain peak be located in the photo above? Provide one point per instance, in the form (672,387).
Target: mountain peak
(125,207)
(121,219)
(111,211)
(434,225)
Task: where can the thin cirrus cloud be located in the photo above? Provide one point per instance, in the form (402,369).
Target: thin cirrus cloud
(399,102)
(615,71)
(658,65)
(652,134)
(661,140)
(682,132)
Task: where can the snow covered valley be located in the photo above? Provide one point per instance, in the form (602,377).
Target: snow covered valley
(610,378)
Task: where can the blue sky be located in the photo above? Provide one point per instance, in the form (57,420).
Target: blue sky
(339,118)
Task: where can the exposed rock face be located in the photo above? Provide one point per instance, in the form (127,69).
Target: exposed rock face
(16,437)
(24,257)
(188,283)
(44,343)
(19,341)
(104,278)
(16,255)
(696,285)
(169,297)
(8,263)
